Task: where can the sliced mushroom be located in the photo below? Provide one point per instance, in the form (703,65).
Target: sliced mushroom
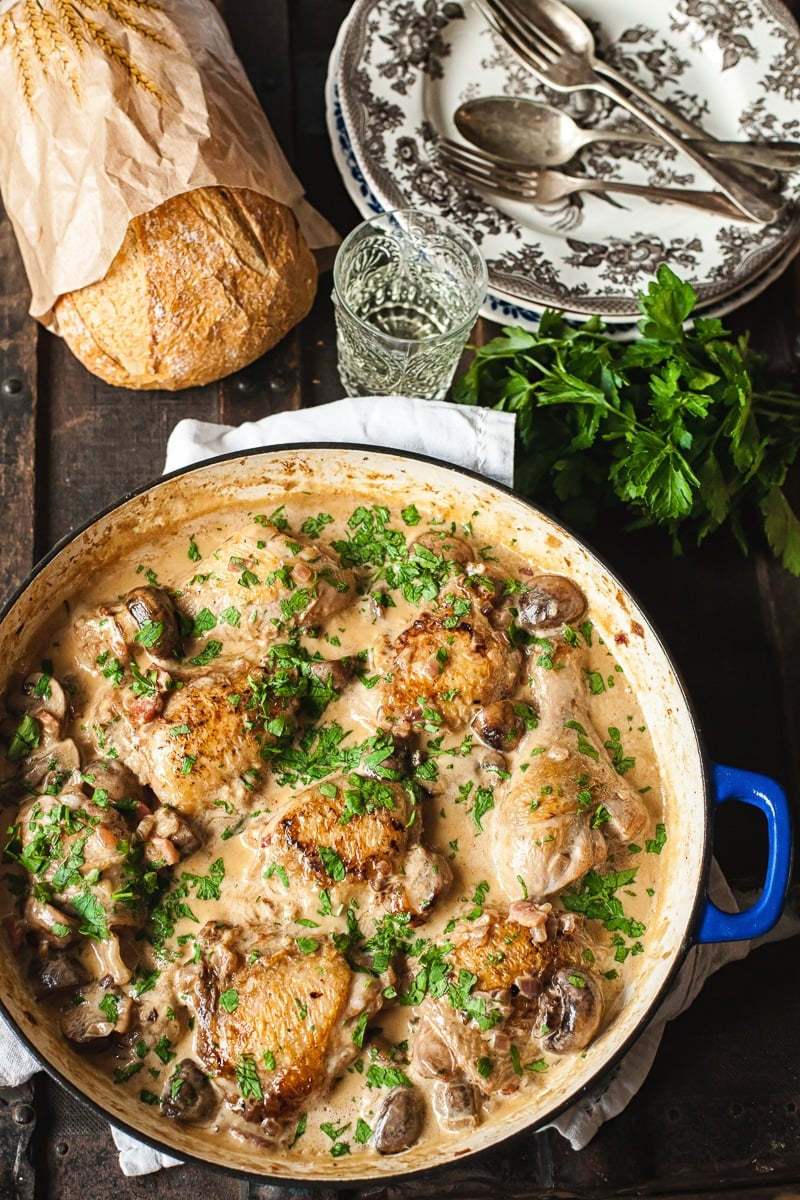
(87,1022)
(491,765)
(53,761)
(156,621)
(58,927)
(571,1009)
(109,961)
(455,1105)
(332,672)
(41,693)
(54,973)
(113,778)
(425,876)
(189,1094)
(433,1058)
(550,602)
(399,1121)
(499,725)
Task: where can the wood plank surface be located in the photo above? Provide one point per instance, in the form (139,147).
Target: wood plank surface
(719,1113)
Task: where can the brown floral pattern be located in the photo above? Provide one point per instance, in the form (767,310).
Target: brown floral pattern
(405,65)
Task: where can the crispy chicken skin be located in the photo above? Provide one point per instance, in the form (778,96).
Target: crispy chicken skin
(355,831)
(300,1006)
(551,824)
(451,660)
(532,991)
(203,741)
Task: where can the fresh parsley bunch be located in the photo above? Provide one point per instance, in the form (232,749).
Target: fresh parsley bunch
(675,425)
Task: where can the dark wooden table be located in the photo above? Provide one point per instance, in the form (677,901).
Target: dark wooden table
(720,1112)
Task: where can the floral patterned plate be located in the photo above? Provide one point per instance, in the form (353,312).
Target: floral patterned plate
(503,309)
(732,65)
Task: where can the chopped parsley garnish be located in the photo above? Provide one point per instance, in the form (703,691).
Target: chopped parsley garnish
(203,622)
(364,795)
(210,651)
(208,887)
(378,1076)
(308,945)
(27,737)
(655,845)
(362,1132)
(247,1078)
(595,897)
(584,745)
(313,526)
(149,633)
(277,869)
(300,1129)
(333,865)
(619,759)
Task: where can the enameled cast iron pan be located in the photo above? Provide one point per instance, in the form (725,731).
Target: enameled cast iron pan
(261,481)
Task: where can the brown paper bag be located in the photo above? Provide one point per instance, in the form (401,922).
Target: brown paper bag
(108,108)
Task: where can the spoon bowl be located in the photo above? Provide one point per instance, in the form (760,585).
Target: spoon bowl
(534,134)
(528,132)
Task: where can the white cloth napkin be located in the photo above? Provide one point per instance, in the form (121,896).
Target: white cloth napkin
(478,438)
(17,1065)
(483,440)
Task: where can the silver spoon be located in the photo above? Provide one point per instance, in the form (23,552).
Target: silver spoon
(565,26)
(540,135)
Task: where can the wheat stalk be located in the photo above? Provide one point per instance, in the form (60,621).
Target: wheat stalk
(43,37)
(72,22)
(116,14)
(62,53)
(10,36)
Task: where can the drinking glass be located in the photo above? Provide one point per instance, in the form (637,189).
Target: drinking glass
(407,288)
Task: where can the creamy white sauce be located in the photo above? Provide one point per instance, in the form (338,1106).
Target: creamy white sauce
(246,897)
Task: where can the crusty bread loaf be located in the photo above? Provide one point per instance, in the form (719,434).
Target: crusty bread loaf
(201,286)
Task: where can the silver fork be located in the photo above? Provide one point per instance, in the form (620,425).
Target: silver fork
(487,173)
(564,71)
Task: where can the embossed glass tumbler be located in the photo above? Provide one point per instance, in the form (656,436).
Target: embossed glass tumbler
(407,288)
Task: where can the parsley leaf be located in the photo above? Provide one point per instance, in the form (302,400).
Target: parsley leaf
(677,426)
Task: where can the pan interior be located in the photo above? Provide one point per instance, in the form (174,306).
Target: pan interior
(262,482)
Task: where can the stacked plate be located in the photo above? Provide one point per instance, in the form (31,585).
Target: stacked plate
(400,68)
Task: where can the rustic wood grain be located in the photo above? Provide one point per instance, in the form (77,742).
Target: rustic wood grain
(18,407)
(719,1114)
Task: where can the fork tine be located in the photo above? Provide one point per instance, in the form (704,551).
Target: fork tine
(483,177)
(508,34)
(498,188)
(527,38)
(525,24)
(472,158)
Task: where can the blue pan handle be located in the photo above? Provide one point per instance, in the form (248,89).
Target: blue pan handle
(764,793)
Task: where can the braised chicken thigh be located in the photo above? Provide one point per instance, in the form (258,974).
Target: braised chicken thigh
(276,580)
(275,1018)
(314,835)
(359,838)
(199,743)
(450,660)
(553,821)
(529,990)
